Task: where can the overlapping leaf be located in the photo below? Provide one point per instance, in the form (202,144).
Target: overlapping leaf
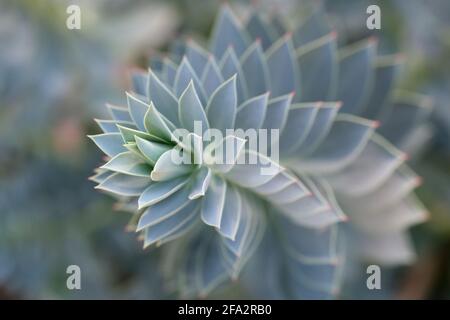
(332,166)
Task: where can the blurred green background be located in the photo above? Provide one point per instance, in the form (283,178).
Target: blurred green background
(55,81)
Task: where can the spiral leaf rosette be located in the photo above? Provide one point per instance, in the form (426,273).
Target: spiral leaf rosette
(339,183)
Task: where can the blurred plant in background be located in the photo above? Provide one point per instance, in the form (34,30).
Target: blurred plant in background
(421,30)
(53,81)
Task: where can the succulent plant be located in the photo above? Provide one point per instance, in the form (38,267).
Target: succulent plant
(287,226)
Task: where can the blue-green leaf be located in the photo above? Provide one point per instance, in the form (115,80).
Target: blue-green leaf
(394,217)
(385,76)
(221,108)
(190,110)
(231,214)
(110,126)
(170,225)
(119,113)
(282,67)
(300,120)
(253,170)
(227,32)
(156,62)
(322,124)
(100,175)
(407,112)
(314,27)
(277,112)
(166,168)
(345,141)
(128,134)
(139,81)
(163,99)
(376,163)
(318,65)
(355,76)
(211,77)
(159,191)
(214,201)
(230,66)
(255,70)
(402,182)
(157,125)
(393,248)
(124,184)
(251,113)
(259,29)
(197,56)
(151,150)
(201,183)
(169,72)
(110,143)
(128,163)
(137,109)
(186,74)
(161,210)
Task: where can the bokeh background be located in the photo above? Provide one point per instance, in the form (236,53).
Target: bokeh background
(55,81)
